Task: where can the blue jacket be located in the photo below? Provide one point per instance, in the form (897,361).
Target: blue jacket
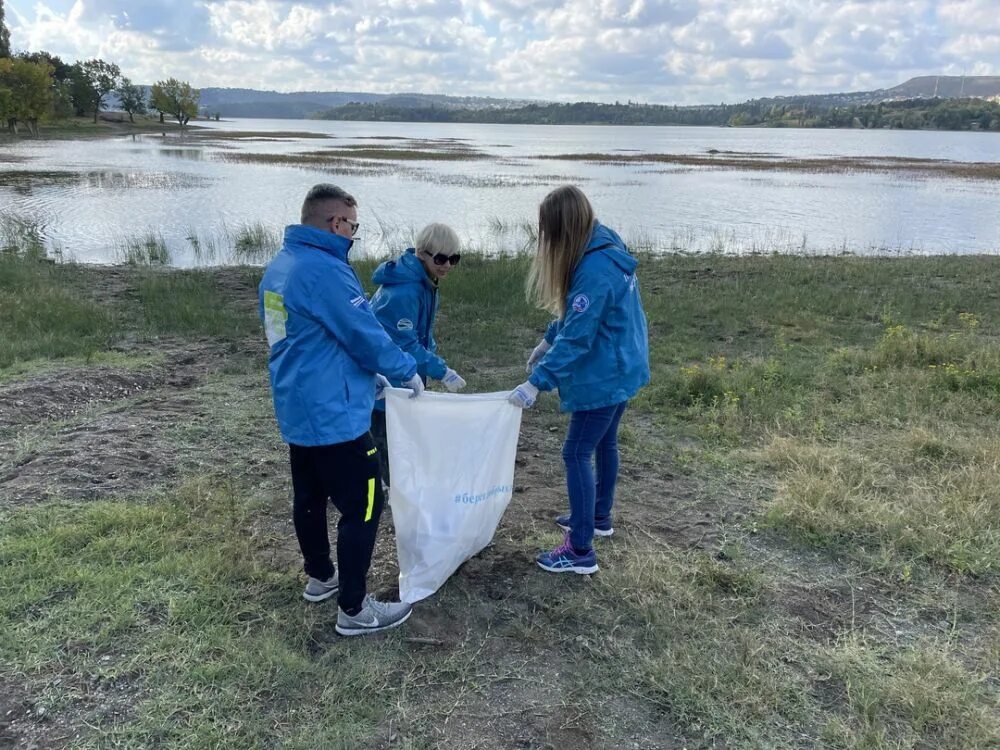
(326,344)
(406,305)
(600,347)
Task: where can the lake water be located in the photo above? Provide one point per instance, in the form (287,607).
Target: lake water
(91,196)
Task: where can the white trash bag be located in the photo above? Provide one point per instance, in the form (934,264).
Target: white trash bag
(451,457)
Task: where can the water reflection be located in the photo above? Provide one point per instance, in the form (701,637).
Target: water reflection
(110,180)
(195,154)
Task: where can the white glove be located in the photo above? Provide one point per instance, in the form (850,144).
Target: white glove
(453,381)
(536,354)
(381,383)
(416,385)
(524,395)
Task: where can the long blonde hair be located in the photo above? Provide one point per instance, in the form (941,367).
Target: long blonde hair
(565,222)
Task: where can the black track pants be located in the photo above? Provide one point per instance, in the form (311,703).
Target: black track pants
(348,474)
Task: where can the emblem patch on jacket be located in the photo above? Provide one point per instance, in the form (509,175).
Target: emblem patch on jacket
(275,316)
(580,303)
(404,324)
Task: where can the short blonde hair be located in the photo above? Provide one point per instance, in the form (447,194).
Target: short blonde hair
(565,223)
(438,238)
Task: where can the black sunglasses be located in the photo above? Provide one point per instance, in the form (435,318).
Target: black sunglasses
(440,258)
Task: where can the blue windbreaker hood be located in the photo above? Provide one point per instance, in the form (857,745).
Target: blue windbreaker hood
(606,240)
(407,269)
(300,235)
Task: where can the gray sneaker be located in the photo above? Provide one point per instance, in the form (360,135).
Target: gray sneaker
(373,617)
(318,591)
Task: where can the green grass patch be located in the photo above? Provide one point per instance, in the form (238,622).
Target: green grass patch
(26,369)
(921,496)
(170,597)
(919,696)
(46,315)
(706,643)
(255,243)
(189,303)
(146,250)
(53,312)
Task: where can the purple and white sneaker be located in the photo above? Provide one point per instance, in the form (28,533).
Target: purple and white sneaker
(601,528)
(564,559)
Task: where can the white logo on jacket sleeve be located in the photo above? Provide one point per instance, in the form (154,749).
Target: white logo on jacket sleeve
(580,303)
(360,301)
(404,324)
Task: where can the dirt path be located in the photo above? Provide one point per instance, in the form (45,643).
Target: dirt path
(85,433)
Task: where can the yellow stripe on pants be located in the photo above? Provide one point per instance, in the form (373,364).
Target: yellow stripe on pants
(371,499)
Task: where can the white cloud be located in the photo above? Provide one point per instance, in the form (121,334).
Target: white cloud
(651,50)
(266,26)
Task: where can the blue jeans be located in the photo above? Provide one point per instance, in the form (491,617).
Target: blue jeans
(592,435)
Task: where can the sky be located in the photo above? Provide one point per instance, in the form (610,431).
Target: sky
(656,51)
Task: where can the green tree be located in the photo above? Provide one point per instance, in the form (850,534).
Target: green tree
(92,81)
(62,81)
(79,91)
(25,92)
(133,98)
(175,98)
(4,35)
(6,98)
(61,71)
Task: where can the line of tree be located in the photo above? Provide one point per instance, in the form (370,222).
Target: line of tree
(588,113)
(906,114)
(941,114)
(38,86)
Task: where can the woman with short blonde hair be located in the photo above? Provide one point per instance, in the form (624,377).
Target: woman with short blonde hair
(406,304)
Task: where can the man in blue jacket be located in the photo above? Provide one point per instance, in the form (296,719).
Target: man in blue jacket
(326,348)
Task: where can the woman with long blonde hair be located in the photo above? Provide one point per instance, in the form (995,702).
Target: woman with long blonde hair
(595,352)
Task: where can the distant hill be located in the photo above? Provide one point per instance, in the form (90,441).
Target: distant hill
(305,104)
(229,102)
(922,87)
(946,87)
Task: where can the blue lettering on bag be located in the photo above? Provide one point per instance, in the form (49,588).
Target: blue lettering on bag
(465,498)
